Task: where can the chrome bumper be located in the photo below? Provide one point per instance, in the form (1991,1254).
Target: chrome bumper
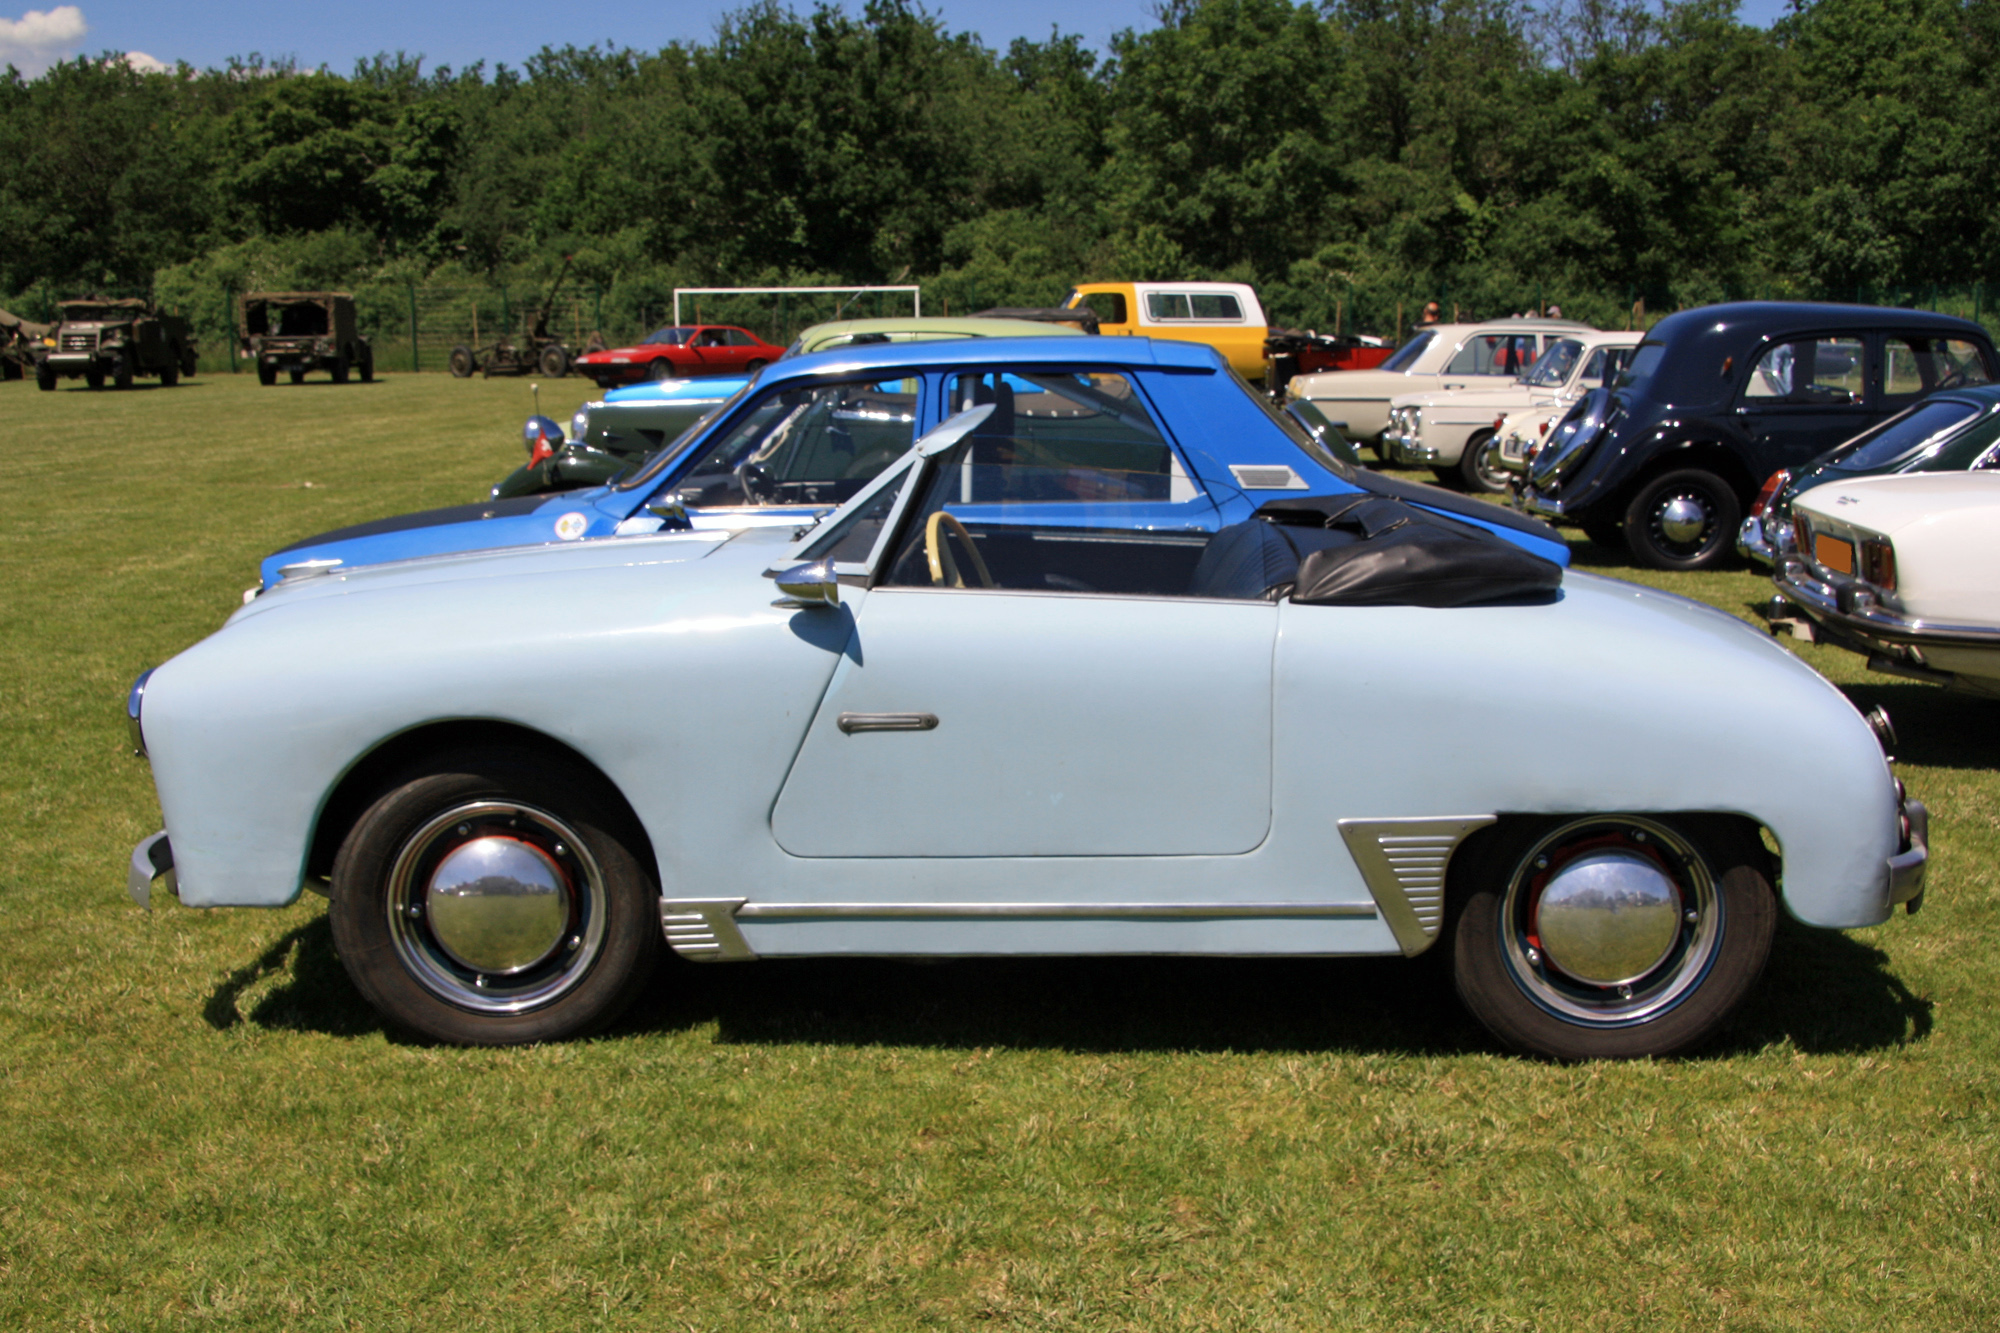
(1401,449)
(1751,543)
(1906,868)
(1852,609)
(151,860)
(1536,503)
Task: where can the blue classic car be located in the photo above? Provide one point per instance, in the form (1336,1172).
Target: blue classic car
(813,429)
(1059,679)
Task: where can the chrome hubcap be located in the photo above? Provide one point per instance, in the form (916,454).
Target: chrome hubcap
(496,906)
(1610,921)
(1682,520)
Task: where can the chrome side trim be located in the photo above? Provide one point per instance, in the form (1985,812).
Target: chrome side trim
(1403,863)
(1050,911)
(703,930)
(1862,614)
(857,722)
(150,860)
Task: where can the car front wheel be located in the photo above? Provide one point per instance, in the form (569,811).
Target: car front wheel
(496,898)
(661,369)
(1682,520)
(1610,936)
(1479,466)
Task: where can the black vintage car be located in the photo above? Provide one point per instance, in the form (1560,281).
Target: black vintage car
(1717,399)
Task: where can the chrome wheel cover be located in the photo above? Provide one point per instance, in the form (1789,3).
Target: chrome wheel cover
(1682,522)
(496,907)
(1486,462)
(1624,899)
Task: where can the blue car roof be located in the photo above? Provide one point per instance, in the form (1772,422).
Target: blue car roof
(945,353)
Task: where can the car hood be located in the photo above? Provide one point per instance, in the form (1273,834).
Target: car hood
(528,520)
(677,547)
(1901,502)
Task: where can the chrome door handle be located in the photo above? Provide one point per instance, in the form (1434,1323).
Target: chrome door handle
(853,722)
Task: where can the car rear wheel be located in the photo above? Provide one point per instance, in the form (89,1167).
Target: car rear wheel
(752,367)
(462,362)
(661,369)
(339,369)
(1682,520)
(121,372)
(1479,466)
(1610,936)
(296,374)
(367,364)
(45,378)
(496,898)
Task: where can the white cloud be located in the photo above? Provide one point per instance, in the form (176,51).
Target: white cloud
(36,40)
(146,64)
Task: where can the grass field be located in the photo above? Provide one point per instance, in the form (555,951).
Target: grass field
(201,1125)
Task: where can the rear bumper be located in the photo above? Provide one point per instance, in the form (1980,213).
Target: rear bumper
(1906,868)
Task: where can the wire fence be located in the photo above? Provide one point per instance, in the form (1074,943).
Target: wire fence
(415,326)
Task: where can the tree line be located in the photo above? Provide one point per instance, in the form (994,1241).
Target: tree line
(1490,153)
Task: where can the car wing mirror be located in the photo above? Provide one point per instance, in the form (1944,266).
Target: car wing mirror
(671,508)
(808,585)
(953,430)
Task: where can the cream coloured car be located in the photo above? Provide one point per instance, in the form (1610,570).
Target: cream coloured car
(1456,432)
(1903,569)
(1491,355)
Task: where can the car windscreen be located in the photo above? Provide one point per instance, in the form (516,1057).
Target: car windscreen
(1552,369)
(1963,451)
(1407,354)
(1644,364)
(672,337)
(652,465)
(1903,437)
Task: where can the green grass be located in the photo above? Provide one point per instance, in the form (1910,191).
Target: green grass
(202,1127)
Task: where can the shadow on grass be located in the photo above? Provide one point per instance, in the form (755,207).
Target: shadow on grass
(1935,727)
(308,991)
(1824,993)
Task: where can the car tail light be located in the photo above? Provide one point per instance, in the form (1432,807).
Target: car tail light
(1772,485)
(1878,563)
(1542,427)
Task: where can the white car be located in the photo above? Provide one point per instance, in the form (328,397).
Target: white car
(1445,356)
(1455,432)
(1905,570)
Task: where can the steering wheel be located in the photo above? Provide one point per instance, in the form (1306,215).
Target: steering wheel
(944,569)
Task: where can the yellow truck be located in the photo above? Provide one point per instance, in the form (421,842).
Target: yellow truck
(1225,315)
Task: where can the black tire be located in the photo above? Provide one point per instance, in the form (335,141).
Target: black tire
(1690,501)
(367,364)
(607,938)
(266,375)
(1479,469)
(554,361)
(93,377)
(661,369)
(121,372)
(1716,926)
(1607,534)
(339,367)
(753,366)
(45,378)
(296,374)
(170,374)
(462,362)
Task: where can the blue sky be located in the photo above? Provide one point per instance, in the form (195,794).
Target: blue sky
(496,31)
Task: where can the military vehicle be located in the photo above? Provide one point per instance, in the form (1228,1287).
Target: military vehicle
(300,332)
(18,340)
(96,337)
(537,350)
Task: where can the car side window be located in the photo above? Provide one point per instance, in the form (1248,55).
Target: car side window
(1167,305)
(1216,307)
(1818,371)
(1493,354)
(1913,366)
(806,446)
(1109,307)
(1045,494)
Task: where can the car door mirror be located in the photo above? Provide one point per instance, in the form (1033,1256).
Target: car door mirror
(808,585)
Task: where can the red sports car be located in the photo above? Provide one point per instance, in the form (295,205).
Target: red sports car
(676,353)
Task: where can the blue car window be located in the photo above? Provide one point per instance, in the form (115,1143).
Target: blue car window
(806,446)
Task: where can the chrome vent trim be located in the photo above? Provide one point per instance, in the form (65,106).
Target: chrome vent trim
(1403,862)
(1266,477)
(704,930)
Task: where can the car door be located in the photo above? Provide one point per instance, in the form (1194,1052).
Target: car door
(1804,395)
(1027,677)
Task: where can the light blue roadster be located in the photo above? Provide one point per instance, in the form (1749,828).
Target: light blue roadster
(1046,684)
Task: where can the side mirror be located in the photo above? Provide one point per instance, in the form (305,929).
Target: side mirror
(671,508)
(808,585)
